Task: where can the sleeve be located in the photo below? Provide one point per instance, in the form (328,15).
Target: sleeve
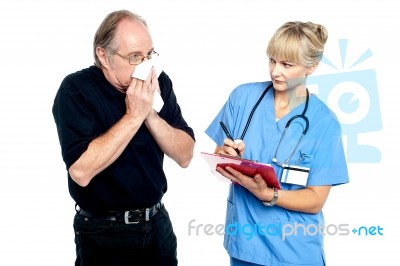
(171,111)
(225,115)
(329,166)
(75,121)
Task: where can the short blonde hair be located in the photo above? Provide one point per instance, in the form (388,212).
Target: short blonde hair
(298,42)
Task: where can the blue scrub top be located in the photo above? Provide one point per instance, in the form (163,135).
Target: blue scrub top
(274,235)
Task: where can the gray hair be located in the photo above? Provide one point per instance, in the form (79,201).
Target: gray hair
(105,34)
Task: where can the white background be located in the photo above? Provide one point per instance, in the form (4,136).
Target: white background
(207,47)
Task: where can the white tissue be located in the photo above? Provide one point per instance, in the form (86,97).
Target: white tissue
(157,101)
(142,72)
(143,69)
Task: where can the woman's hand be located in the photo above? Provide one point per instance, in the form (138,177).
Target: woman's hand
(257,185)
(230,147)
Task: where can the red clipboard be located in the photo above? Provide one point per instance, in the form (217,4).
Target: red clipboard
(247,167)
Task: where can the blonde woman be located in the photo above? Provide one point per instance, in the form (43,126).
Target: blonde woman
(279,122)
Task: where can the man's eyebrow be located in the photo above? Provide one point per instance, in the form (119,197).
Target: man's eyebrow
(140,53)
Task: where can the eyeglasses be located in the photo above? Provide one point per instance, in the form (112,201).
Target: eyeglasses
(136,59)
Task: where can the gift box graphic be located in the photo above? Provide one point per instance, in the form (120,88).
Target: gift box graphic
(353,97)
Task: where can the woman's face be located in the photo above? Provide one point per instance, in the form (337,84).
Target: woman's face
(287,75)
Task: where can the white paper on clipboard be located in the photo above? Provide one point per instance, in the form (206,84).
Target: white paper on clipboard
(214,159)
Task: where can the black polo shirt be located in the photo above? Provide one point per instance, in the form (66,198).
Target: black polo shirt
(86,106)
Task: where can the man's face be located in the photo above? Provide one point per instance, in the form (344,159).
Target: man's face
(133,40)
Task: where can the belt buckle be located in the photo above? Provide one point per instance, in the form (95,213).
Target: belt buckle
(126,217)
(146,215)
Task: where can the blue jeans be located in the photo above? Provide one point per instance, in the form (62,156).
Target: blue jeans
(102,243)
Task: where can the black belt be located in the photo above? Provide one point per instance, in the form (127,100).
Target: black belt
(128,217)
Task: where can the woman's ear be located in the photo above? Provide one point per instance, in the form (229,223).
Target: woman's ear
(311,69)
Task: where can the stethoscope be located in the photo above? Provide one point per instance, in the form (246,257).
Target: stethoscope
(302,116)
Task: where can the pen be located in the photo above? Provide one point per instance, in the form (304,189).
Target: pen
(225,129)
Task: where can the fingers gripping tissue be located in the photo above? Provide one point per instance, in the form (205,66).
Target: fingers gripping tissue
(142,71)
